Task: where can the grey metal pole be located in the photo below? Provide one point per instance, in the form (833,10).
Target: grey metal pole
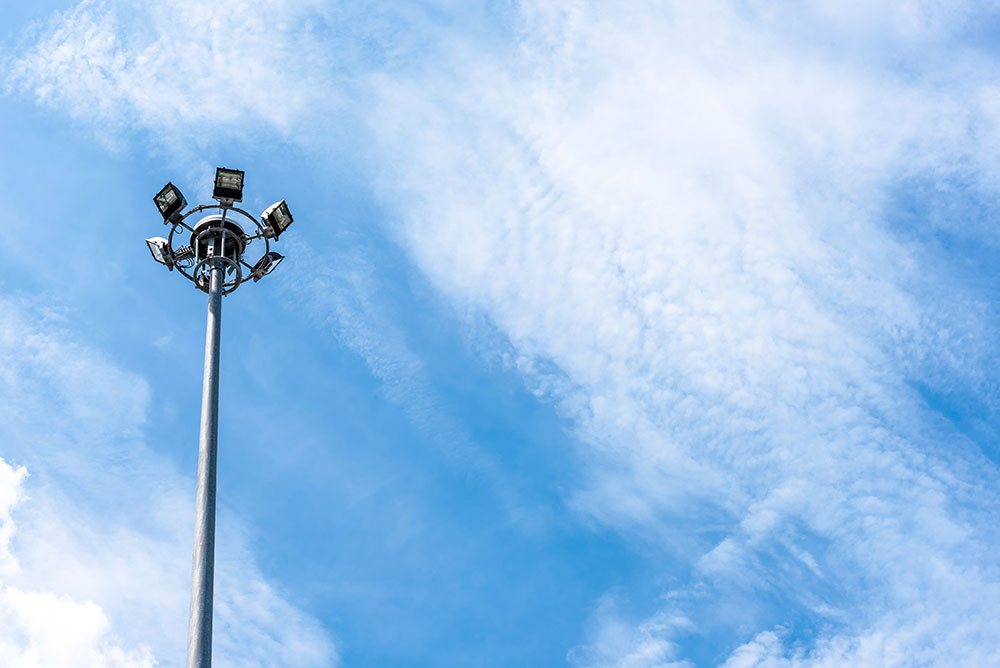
(202,584)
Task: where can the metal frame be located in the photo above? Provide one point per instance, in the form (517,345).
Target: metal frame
(190,269)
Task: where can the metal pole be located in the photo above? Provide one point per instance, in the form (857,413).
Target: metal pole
(202,585)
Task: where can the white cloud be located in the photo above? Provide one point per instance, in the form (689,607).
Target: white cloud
(176,68)
(103,537)
(10,495)
(683,208)
(41,628)
(623,643)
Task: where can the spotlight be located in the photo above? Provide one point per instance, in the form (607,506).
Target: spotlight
(266,265)
(276,219)
(170,202)
(228,185)
(160,250)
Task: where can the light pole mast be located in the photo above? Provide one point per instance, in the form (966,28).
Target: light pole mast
(202,579)
(214,261)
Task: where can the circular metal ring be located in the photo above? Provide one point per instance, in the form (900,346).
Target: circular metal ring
(235,283)
(190,273)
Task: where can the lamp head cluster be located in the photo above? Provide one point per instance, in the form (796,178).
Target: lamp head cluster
(217,240)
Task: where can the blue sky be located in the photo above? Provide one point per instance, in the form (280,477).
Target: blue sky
(609,336)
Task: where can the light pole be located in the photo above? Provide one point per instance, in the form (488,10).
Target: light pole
(213,259)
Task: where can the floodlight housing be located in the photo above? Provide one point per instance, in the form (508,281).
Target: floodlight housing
(159,248)
(266,265)
(228,185)
(276,219)
(170,202)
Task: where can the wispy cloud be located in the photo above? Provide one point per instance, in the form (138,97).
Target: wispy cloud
(176,68)
(342,291)
(686,209)
(625,643)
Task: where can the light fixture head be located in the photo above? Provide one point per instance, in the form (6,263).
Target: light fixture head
(170,202)
(159,248)
(228,185)
(266,265)
(276,219)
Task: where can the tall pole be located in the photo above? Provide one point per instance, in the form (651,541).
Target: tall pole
(216,251)
(202,585)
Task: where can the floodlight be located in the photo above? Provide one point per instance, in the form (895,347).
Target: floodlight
(266,265)
(228,185)
(159,248)
(170,202)
(276,219)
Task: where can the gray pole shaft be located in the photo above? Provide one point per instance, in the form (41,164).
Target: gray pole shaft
(202,585)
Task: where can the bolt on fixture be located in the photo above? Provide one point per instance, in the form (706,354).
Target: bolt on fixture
(212,255)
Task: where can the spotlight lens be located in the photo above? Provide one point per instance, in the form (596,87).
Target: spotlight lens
(228,180)
(158,249)
(274,259)
(276,218)
(282,216)
(165,199)
(228,184)
(266,265)
(169,201)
